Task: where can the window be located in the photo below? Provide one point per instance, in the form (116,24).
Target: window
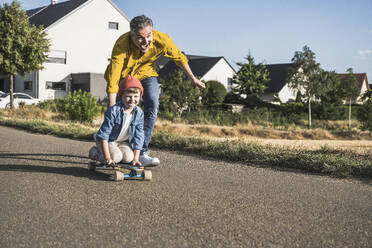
(55,85)
(21,96)
(229,84)
(27,85)
(114,25)
(57,56)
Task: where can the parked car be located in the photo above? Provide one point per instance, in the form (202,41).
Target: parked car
(18,98)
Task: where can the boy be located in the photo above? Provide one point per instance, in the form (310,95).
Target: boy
(121,136)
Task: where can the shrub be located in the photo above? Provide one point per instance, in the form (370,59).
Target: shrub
(364,115)
(53,105)
(214,93)
(261,116)
(81,106)
(217,117)
(233,98)
(181,94)
(333,112)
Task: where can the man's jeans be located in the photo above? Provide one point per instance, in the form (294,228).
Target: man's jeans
(151,104)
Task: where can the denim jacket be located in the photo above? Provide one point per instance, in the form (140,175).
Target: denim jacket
(113,122)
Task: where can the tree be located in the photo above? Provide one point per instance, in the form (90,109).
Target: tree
(367,95)
(351,90)
(331,104)
(180,93)
(334,93)
(364,114)
(214,93)
(23,47)
(307,77)
(251,79)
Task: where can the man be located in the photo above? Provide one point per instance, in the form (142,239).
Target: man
(135,54)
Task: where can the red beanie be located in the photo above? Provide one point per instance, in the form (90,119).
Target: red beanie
(129,82)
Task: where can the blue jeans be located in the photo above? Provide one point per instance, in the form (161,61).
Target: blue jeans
(151,105)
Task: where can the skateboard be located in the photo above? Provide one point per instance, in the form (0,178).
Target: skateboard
(136,172)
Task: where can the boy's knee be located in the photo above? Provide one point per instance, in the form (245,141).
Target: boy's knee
(128,155)
(117,157)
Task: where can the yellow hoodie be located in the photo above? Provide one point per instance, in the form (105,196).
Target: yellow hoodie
(127,59)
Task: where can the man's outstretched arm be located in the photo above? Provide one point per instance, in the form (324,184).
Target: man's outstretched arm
(187,70)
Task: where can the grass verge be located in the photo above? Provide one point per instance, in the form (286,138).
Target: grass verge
(66,130)
(324,161)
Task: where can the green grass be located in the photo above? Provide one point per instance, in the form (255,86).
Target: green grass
(74,131)
(325,161)
(331,162)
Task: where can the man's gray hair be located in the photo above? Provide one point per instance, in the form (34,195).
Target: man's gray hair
(140,22)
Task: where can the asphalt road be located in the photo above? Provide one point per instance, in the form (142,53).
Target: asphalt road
(49,199)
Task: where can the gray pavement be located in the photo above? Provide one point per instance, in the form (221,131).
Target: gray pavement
(49,199)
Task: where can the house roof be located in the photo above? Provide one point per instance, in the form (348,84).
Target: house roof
(199,65)
(50,14)
(360,77)
(47,15)
(278,75)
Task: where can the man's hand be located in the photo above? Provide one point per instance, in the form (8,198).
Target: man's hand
(196,81)
(199,83)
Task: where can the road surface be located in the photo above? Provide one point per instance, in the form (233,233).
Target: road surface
(49,199)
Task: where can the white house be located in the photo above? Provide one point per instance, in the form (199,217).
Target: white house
(82,35)
(278,87)
(206,68)
(362,81)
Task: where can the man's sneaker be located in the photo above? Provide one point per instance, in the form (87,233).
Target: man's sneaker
(148,161)
(93,153)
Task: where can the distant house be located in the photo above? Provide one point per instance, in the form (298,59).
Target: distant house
(206,68)
(278,88)
(82,34)
(363,83)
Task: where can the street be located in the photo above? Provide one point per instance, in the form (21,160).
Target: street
(50,199)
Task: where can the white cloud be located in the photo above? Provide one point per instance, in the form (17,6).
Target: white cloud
(364,54)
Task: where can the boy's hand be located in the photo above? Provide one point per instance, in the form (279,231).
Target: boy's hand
(110,162)
(136,162)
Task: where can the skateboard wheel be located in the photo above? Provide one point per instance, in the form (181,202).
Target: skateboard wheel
(91,166)
(147,175)
(118,176)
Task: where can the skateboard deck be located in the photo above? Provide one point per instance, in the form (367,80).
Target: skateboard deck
(136,172)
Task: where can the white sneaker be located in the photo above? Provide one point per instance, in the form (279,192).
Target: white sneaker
(93,153)
(146,160)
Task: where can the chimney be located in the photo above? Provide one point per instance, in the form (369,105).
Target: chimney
(53,2)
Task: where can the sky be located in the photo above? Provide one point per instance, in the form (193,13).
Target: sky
(339,32)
